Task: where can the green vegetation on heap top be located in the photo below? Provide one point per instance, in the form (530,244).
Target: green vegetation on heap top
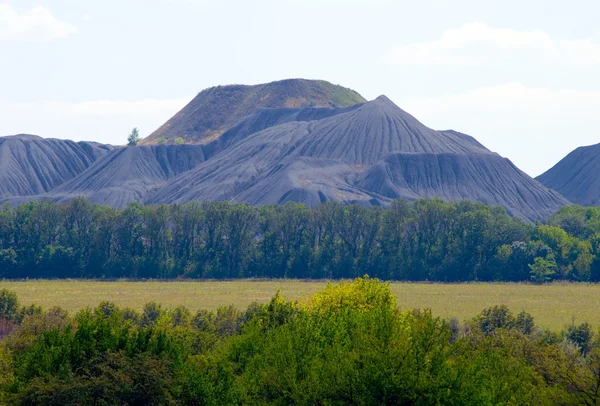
(216,109)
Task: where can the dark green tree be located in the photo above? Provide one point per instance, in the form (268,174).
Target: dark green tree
(133,138)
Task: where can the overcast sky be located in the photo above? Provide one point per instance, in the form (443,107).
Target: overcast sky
(520,76)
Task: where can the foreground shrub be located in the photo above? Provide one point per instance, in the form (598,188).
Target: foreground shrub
(9,306)
(500,317)
(348,344)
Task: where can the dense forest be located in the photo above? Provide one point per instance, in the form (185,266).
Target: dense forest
(421,240)
(348,344)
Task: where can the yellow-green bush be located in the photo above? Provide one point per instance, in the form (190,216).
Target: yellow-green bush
(362,294)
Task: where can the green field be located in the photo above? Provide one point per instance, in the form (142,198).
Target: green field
(553,305)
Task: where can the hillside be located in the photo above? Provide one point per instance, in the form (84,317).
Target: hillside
(213,111)
(129,174)
(370,155)
(31,165)
(576,176)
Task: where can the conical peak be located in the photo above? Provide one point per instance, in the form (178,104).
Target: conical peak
(383,105)
(383,102)
(379,127)
(384,99)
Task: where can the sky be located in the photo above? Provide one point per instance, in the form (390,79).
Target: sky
(522,77)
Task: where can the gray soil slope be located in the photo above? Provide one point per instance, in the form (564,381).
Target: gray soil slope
(486,178)
(213,111)
(31,165)
(577,176)
(130,174)
(369,154)
(268,118)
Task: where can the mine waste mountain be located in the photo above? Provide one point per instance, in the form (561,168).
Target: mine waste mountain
(577,176)
(349,151)
(219,108)
(31,165)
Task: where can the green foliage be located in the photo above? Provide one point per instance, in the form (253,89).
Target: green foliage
(353,350)
(500,317)
(348,344)
(130,315)
(94,359)
(9,306)
(178,141)
(181,316)
(8,260)
(424,240)
(342,96)
(494,318)
(137,380)
(581,335)
(543,269)
(203,319)
(207,383)
(133,138)
(361,294)
(578,221)
(151,314)
(106,309)
(161,141)
(428,240)
(524,323)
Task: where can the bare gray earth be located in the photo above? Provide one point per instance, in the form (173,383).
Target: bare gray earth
(369,154)
(130,174)
(30,165)
(577,176)
(133,174)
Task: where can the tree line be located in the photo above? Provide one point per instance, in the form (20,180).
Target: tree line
(348,344)
(427,239)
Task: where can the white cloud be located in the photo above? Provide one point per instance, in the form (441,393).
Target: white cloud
(477,44)
(100,108)
(122,107)
(534,127)
(516,96)
(105,121)
(37,24)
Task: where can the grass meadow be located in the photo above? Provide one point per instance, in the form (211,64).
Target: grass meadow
(552,305)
